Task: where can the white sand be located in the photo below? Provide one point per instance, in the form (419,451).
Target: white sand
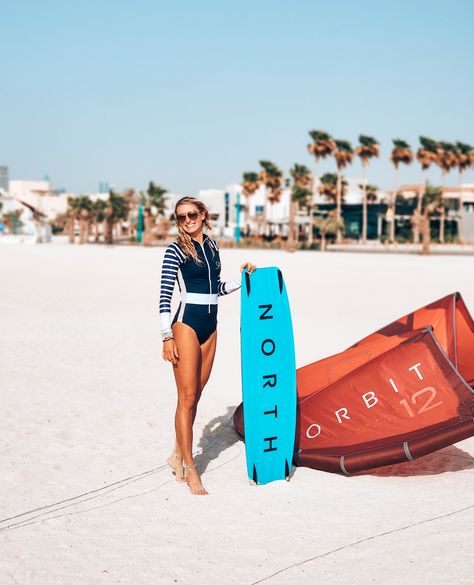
(87,402)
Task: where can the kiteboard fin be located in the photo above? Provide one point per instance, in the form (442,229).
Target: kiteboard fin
(254,475)
(247,283)
(280,281)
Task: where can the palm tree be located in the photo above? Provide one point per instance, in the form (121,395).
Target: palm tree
(328,187)
(371,192)
(465,158)
(71,216)
(465,161)
(12,219)
(132,200)
(426,155)
(83,206)
(272,177)
(157,197)
(301,197)
(367,149)
(99,213)
(117,210)
(343,155)
(401,154)
(250,184)
(432,201)
(447,159)
(322,147)
(59,222)
(328,225)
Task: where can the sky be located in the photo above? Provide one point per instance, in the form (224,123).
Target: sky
(190,93)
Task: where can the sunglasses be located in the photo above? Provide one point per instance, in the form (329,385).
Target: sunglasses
(193,215)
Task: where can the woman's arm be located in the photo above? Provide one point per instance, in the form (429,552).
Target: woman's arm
(224,288)
(169,271)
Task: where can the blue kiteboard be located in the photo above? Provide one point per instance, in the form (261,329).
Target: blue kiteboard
(268,375)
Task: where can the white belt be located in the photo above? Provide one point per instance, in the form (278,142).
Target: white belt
(199,299)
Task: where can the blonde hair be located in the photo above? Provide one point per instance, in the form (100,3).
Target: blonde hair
(184,239)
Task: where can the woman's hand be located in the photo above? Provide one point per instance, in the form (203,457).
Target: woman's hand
(249,266)
(170,351)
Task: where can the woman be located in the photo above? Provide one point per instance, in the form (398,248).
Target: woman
(189,342)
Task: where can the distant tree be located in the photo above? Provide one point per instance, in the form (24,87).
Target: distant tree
(401,154)
(343,154)
(465,161)
(368,148)
(465,158)
(117,210)
(426,155)
(301,197)
(447,160)
(328,187)
(432,202)
(83,206)
(371,192)
(72,214)
(99,213)
(328,225)
(12,219)
(59,222)
(322,146)
(250,184)
(132,200)
(157,197)
(272,177)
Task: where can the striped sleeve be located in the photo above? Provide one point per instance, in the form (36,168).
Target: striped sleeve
(171,261)
(224,288)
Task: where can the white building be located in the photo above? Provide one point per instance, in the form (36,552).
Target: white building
(222,205)
(460,202)
(39,195)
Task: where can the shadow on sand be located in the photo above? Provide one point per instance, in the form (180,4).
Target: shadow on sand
(217,436)
(448,459)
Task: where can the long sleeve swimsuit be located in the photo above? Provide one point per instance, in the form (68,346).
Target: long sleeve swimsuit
(199,284)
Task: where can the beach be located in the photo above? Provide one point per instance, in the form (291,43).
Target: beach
(87,424)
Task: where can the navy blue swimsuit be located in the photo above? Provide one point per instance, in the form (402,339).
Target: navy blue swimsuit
(200,286)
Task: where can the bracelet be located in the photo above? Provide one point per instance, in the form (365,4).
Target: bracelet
(167,337)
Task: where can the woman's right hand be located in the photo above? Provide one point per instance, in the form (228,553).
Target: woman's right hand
(170,351)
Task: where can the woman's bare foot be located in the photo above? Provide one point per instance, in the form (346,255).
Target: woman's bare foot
(193,479)
(176,464)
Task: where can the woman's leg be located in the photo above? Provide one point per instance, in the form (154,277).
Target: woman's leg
(187,372)
(208,351)
(175,461)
